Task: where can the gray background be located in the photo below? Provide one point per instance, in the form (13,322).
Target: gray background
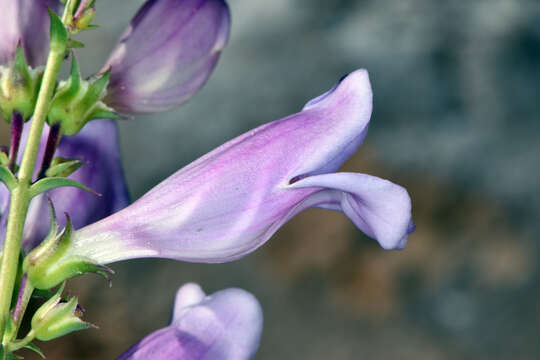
(455,121)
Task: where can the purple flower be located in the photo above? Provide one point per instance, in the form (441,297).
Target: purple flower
(97,146)
(166,54)
(27,22)
(163,58)
(229,202)
(226,325)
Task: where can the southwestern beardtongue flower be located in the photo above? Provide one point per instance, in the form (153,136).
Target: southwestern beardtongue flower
(226,325)
(97,146)
(230,201)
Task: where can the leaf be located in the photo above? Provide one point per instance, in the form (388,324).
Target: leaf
(7,177)
(35,349)
(58,33)
(50,183)
(62,167)
(74,44)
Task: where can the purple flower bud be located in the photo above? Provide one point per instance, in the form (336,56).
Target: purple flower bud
(230,201)
(226,325)
(97,146)
(27,22)
(166,54)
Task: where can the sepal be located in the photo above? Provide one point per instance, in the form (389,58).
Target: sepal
(78,101)
(62,167)
(56,318)
(50,264)
(58,34)
(19,87)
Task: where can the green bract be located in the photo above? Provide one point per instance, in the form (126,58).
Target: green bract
(78,101)
(56,318)
(47,266)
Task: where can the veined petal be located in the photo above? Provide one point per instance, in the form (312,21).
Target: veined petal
(166,54)
(27,22)
(97,146)
(230,201)
(226,325)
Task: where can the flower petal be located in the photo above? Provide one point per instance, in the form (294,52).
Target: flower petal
(97,146)
(26,21)
(166,54)
(380,208)
(224,326)
(230,201)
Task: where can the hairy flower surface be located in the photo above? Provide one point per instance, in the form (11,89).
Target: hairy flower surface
(229,202)
(226,325)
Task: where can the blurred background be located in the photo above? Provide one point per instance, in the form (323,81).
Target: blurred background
(456,121)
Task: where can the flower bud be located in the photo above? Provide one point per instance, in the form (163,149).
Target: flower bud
(166,54)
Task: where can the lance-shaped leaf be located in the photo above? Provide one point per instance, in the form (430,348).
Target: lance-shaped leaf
(97,146)
(231,201)
(166,54)
(226,325)
(7,177)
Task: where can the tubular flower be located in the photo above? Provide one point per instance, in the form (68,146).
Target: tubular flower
(226,325)
(97,147)
(229,202)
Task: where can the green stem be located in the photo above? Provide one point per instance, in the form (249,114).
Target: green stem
(19,344)
(20,196)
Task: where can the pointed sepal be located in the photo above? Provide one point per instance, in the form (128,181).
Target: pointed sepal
(58,34)
(19,87)
(56,318)
(62,167)
(51,263)
(78,101)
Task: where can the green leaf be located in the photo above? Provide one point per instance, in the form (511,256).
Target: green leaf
(35,349)
(59,34)
(62,167)
(74,44)
(50,183)
(7,177)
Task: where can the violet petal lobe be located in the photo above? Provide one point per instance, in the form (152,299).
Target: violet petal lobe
(226,325)
(166,54)
(229,202)
(25,22)
(97,146)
